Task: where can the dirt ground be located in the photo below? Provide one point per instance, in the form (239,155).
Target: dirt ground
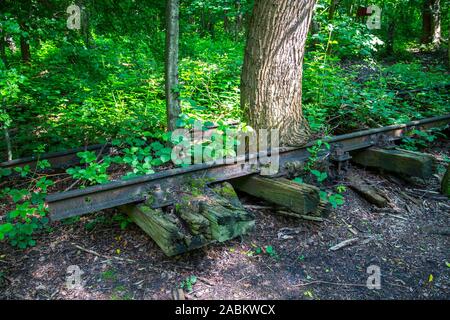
(409,242)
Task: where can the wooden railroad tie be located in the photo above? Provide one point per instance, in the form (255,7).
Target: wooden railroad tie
(302,200)
(196,220)
(215,213)
(403,162)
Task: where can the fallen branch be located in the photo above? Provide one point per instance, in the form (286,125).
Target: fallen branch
(344,244)
(342,284)
(100,255)
(305,217)
(330,283)
(397,216)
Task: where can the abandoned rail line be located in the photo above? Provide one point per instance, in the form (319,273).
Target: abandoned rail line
(118,193)
(58,160)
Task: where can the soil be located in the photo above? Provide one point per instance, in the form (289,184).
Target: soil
(408,241)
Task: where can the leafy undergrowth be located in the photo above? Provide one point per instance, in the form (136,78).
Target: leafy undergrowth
(71,96)
(23,210)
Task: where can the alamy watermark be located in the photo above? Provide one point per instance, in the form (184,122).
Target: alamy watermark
(374,21)
(73,277)
(74,19)
(198,146)
(374,279)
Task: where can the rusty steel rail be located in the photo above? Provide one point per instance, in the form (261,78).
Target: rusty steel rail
(58,160)
(117,193)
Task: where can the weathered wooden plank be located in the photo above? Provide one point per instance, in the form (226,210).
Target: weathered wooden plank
(216,214)
(227,191)
(164,230)
(367,192)
(398,161)
(300,198)
(226,220)
(446,183)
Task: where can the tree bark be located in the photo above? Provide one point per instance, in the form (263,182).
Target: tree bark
(85,24)
(8,144)
(431,22)
(271,82)
(436,22)
(332,10)
(3,49)
(390,38)
(25,45)
(171,74)
(239,19)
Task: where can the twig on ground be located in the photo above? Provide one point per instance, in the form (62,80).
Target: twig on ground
(330,283)
(344,244)
(342,284)
(396,216)
(100,255)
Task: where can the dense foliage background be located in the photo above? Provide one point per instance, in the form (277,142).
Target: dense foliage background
(106,80)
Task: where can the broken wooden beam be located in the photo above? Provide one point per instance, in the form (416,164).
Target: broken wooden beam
(300,198)
(226,221)
(403,162)
(366,191)
(164,229)
(445,185)
(195,220)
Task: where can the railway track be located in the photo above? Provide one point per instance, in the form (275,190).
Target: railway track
(163,184)
(58,160)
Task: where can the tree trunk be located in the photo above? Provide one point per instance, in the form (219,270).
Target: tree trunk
(239,19)
(25,45)
(25,50)
(436,22)
(8,143)
(390,38)
(332,10)
(431,22)
(3,50)
(172,40)
(271,83)
(85,24)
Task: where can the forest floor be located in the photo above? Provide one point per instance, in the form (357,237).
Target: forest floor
(409,241)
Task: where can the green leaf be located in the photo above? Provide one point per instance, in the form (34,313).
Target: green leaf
(18,195)
(180,123)
(156,146)
(4,172)
(43,164)
(165,158)
(87,156)
(4,229)
(157,162)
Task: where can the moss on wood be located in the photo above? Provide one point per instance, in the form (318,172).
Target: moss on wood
(195,221)
(300,198)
